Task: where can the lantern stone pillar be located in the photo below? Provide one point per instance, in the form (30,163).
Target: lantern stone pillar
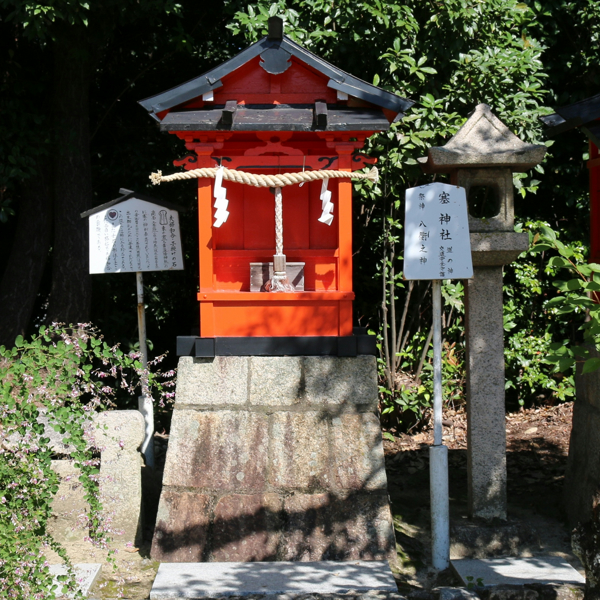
(481,157)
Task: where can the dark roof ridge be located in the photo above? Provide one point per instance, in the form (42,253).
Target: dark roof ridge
(580,114)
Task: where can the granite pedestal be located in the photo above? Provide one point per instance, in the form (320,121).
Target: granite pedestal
(274,458)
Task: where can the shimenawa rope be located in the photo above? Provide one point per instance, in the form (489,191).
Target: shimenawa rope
(256,180)
(279,282)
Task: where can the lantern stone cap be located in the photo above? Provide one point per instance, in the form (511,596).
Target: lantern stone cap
(483,141)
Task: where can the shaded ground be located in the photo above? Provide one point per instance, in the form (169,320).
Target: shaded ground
(537,450)
(537,442)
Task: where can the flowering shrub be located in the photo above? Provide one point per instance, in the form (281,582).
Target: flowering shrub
(65,374)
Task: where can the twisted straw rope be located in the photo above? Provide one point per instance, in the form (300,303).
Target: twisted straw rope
(278,222)
(255,180)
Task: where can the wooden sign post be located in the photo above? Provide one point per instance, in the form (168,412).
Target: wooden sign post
(437,247)
(131,234)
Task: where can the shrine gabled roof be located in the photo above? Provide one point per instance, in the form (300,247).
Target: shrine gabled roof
(281,50)
(582,114)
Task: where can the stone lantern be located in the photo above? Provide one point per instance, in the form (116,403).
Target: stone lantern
(482,157)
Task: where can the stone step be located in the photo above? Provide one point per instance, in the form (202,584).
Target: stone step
(85,574)
(192,581)
(515,571)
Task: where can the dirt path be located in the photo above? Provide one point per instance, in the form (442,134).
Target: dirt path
(537,450)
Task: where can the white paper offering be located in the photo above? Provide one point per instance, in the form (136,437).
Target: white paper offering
(436,237)
(135,235)
(326,204)
(221,202)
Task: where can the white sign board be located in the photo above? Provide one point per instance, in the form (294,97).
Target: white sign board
(135,235)
(436,236)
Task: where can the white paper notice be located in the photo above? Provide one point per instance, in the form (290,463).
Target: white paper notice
(135,235)
(436,237)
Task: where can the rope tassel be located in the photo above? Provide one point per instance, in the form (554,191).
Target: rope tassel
(256,180)
(279,282)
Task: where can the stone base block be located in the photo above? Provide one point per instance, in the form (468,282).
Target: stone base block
(86,574)
(274,458)
(68,522)
(265,527)
(476,540)
(118,435)
(217,580)
(516,571)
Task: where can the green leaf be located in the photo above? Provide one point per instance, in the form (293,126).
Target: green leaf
(592,286)
(554,302)
(559,261)
(541,248)
(548,233)
(591,364)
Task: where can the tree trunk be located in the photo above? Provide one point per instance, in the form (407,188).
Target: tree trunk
(585,541)
(70,297)
(28,257)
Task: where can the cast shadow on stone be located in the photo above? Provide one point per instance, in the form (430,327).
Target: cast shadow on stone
(331,528)
(274,525)
(291,578)
(274,458)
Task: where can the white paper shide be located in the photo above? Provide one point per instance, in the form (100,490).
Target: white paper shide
(134,236)
(436,239)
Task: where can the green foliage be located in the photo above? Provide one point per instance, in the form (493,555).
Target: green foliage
(530,328)
(575,304)
(414,378)
(488,55)
(62,375)
(473,584)
(41,21)
(517,57)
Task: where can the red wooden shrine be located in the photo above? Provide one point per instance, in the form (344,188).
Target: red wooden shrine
(275,108)
(593,165)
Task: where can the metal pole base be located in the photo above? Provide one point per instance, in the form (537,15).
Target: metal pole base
(440,507)
(146,407)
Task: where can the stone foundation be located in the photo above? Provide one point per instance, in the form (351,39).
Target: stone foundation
(118,435)
(274,458)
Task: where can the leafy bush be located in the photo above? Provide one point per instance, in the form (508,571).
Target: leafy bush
(576,304)
(530,327)
(496,52)
(64,374)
